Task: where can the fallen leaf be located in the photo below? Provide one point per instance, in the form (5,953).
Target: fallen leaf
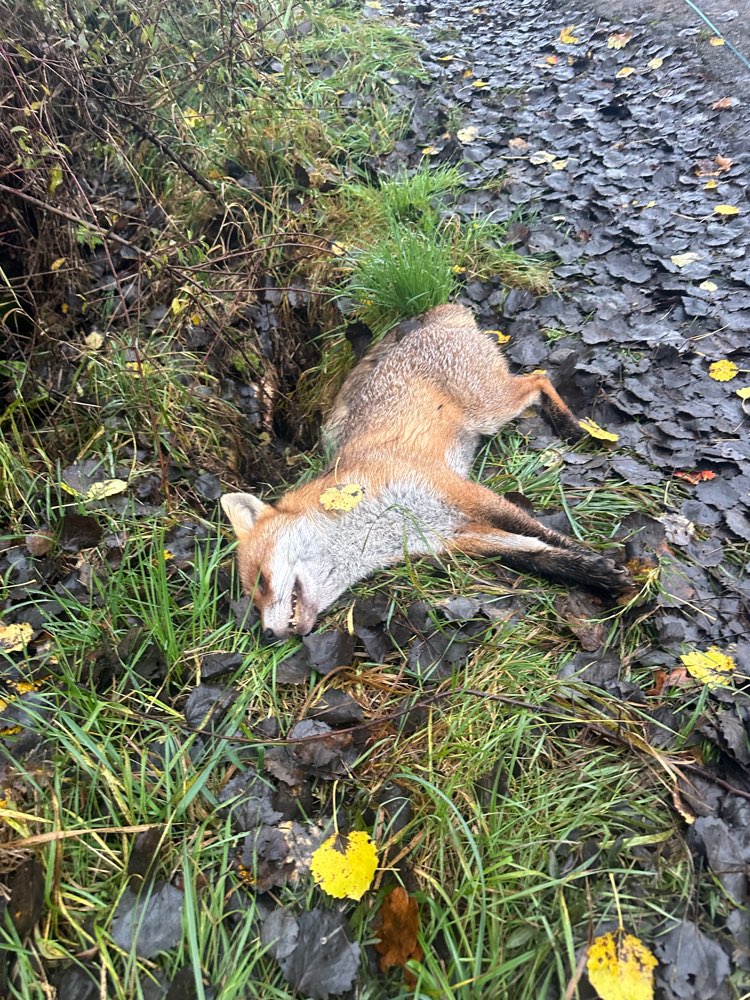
(619,39)
(625,71)
(559,164)
(711,185)
(399,926)
(726,210)
(592,428)
(468,73)
(685,259)
(343,497)
(696,477)
(345,865)
(502,338)
(467,134)
(179,305)
(708,286)
(744,393)
(98,491)
(567,37)
(723,371)
(14,638)
(445,59)
(540,157)
(656,63)
(621,967)
(55,179)
(57,264)
(430,150)
(724,103)
(479,84)
(139,369)
(94,340)
(712,668)
(724,163)
(518,143)
(716,40)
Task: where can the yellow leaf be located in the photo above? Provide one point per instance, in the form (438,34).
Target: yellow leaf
(55,179)
(712,668)
(684,259)
(14,638)
(98,491)
(502,338)
(744,392)
(723,371)
(567,37)
(430,150)
(559,164)
(196,318)
(708,286)
(598,432)
(445,59)
(345,865)
(344,497)
(619,39)
(656,63)
(467,134)
(540,156)
(374,4)
(625,71)
(711,185)
(179,305)
(57,264)
(716,40)
(468,73)
(479,84)
(621,967)
(94,340)
(726,210)
(139,369)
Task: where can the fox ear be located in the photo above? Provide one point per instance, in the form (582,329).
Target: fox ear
(243,510)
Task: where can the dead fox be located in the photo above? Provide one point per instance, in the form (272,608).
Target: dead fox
(403,432)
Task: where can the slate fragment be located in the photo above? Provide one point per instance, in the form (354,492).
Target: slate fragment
(324,962)
(150,921)
(328,650)
(337,708)
(76,983)
(295,669)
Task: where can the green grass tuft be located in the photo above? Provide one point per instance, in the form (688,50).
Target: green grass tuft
(403,275)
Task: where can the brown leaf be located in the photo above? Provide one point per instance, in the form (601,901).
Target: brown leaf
(580,612)
(724,103)
(399,924)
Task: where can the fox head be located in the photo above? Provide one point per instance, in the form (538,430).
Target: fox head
(289,578)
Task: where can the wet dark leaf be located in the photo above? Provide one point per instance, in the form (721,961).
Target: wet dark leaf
(324,962)
(148,922)
(692,966)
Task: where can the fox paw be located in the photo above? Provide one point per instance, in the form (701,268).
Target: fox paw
(606,575)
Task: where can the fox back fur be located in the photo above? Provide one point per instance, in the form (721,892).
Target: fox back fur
(404,429)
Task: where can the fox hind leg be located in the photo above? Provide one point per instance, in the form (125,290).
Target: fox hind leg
(532,555)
